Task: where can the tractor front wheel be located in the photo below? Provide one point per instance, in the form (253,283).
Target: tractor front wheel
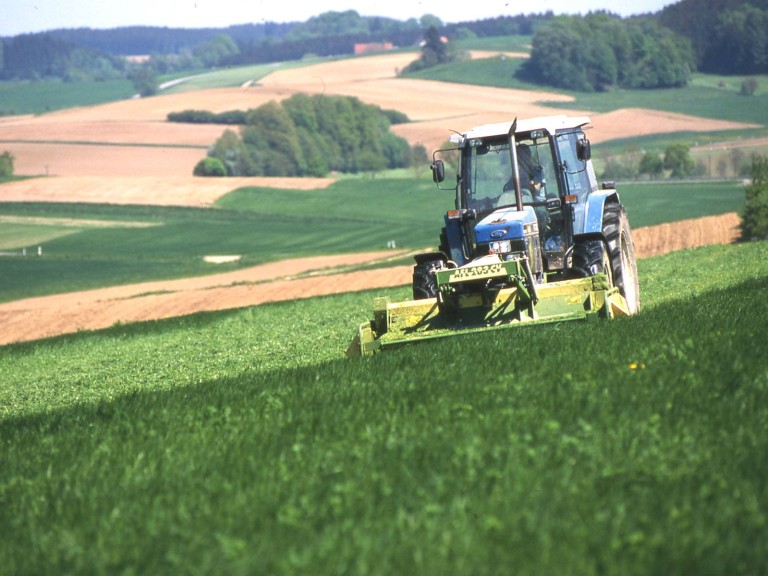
(424,281)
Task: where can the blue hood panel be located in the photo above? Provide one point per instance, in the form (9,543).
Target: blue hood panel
(504,224)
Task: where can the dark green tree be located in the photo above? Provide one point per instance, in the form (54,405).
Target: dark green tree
(740,43)
(310,136)
(210,167)
(434,50)
(215,51)
(651,164)
(231,151)
(728,36)
(754,217)
(7,165)
(677,159)
(144,80)
(271,133)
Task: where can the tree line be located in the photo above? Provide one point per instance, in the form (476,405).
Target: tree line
(595,52)
(601,51)
(309,136)
(728,36)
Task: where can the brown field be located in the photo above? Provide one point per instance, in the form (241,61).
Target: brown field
(153,191)
(48,316)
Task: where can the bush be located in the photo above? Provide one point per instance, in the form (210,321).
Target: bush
(210,167)
(6,164)
(754,218)
(234,117)
(677,159)
(652,164)
(748,87)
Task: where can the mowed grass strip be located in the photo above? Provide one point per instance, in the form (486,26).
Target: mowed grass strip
(243,443)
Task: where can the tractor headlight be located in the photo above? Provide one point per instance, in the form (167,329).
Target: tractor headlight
(500,247)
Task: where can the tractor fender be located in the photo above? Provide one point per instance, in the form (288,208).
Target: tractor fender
(423,257)
(593,212)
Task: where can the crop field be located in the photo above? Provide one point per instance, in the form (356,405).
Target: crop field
(41,97)
(266,225)
(243,442)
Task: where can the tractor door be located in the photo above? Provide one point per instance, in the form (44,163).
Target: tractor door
(577,178)
(542,189)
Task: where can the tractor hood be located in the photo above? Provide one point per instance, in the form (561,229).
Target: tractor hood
(506,224)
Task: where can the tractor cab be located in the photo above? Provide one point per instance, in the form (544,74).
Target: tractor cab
(529,174)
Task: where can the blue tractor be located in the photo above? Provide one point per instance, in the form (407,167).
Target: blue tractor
(531,238)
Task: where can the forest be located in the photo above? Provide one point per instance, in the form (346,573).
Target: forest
(598,52)
(595,52)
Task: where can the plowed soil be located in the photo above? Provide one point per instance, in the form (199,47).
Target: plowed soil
(36,318)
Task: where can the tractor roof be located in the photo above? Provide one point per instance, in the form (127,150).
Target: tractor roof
(551,124)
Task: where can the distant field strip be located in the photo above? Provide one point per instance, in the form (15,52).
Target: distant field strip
(97,143)
(73,222)
(28,231)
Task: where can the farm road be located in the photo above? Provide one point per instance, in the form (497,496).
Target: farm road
(36,318)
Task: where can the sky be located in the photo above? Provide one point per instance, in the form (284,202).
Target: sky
(23,16)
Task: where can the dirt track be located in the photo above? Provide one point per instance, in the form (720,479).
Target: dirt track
(36,318)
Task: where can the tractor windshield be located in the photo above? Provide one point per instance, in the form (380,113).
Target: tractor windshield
(490,183)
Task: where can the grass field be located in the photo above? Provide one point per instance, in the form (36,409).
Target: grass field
(41,97)
(264,225)
(243,443)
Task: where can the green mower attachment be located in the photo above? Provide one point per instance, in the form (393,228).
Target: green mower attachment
(485,296)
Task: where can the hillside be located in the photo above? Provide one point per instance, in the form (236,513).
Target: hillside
(126,153)
(132,138)
(242,442)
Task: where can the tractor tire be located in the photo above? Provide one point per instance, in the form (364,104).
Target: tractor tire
(590,257)
(621,251)
(424,281)
(614,256)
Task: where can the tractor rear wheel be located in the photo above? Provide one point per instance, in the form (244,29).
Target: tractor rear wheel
(424,281)
(614,256)
(621,251)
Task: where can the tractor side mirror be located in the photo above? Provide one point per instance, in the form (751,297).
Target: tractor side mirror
(438,171)
(583,149)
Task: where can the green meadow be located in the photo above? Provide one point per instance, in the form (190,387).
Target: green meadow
(243,442)
(47,96)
